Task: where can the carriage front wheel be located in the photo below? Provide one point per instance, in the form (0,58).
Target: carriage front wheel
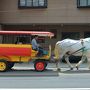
(39,65)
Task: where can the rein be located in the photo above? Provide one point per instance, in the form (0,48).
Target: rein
(78,50)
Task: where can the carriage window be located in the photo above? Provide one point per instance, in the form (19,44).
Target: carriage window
(9,39)
(14,39)
(24,39)
(71,35)
(41,39)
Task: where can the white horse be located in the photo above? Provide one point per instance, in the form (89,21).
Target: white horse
(69,47)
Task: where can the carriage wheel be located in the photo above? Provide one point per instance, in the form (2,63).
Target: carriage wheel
(39,66)
(3,65)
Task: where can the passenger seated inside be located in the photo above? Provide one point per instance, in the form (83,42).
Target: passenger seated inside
(17,42)
(37,47)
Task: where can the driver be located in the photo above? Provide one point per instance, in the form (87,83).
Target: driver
(36,46)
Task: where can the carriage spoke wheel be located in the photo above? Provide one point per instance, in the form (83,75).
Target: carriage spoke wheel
(39,66)
(3,66)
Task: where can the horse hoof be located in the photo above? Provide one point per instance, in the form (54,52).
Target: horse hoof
(59,69)
(77,67)
(71,68)
(89,68)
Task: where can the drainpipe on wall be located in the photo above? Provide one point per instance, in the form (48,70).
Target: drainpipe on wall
(0,27)
(0,35)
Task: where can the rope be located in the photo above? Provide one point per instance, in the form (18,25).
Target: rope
(78,50)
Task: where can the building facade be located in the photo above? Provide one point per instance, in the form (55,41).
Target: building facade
(65,18)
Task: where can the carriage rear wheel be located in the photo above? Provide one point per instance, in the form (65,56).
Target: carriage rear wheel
(3,65)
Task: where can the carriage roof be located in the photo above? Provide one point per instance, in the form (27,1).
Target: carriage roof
(39,33)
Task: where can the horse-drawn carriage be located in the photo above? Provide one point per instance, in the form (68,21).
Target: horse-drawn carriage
(20,53)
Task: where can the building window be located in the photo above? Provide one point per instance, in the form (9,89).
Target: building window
(83,3)
(86,34)
(32,3)
(70,35)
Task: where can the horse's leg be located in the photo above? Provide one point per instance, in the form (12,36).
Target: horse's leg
(57,57)
(67,60)
(58,65)
(81,61)
(88,62)
(88,58)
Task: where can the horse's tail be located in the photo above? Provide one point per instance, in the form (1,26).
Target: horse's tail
(57,52)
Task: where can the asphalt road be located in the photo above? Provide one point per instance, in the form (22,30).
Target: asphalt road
(19,77)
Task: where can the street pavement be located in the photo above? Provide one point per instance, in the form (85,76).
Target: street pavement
(24,76)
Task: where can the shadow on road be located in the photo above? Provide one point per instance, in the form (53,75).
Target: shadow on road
(29,73)
(76,71)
